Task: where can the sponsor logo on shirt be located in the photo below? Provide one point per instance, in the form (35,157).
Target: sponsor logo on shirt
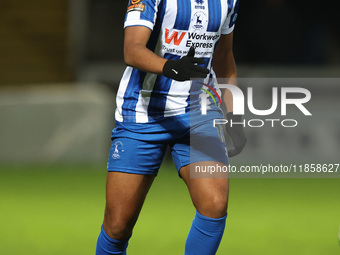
(136,5)
(204,40)
(199,4)
(174,36)
(196,39)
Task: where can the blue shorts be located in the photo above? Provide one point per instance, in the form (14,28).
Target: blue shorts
(139,148)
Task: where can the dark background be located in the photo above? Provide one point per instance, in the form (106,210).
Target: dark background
(70,40)
(267,32)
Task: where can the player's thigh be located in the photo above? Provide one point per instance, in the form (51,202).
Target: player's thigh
(203,143)
(209,195)
(132,167)
(125,195)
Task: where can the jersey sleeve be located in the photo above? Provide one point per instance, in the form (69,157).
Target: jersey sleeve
(141,13)
(229,23)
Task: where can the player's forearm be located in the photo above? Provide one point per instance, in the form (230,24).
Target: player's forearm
(225,69)
(224,65)
(140,57)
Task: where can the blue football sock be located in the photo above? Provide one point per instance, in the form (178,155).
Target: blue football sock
(106,245)
(205,235)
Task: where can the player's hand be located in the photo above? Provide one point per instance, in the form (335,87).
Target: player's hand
(185,68)
(236,133)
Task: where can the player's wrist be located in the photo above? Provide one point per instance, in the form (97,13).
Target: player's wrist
(171,69)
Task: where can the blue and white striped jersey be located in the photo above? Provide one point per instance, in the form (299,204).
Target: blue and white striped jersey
(176,25)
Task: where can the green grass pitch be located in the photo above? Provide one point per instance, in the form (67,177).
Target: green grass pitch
(58,211)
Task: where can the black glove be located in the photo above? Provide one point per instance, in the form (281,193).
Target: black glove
(236,133)
(185,68)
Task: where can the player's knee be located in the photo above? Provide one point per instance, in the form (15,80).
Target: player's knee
(215,207)
(219,206)
(118,229)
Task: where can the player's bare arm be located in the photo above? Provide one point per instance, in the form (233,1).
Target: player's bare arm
(137,55)
(225,67)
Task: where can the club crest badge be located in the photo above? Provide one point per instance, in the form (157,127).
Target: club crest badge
(199,20)
(117,148)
